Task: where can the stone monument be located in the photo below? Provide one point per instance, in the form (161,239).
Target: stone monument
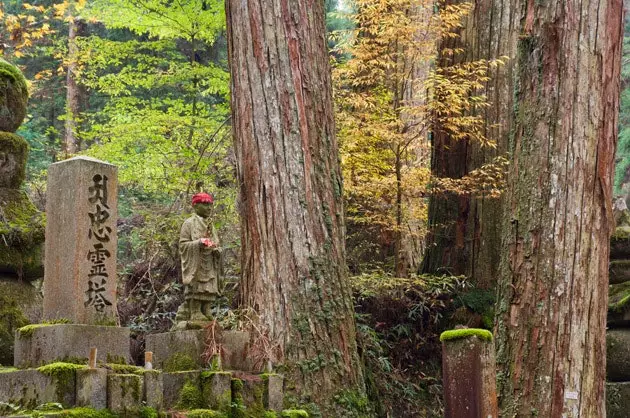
(21,224)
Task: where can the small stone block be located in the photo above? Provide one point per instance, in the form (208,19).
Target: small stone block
(80,246)
(617,399)
(217,390)
(153,389)
(173,384)
(124,392)
(273,396)
(49,343)
(30,388)
(92,388)
(171,348)
(469,377)
(618,355)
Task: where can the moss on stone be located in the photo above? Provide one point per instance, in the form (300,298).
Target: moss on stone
(13,97)
(294,413)
(180,362)
(81,412)
(28,330)
(457,334)
(618,297)
(126,369)
(190,396)
(131,383)
(205,413)
(11,317)
(621,233)
(64,374)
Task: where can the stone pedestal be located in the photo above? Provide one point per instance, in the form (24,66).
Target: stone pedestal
(469,376)
(216,388)
(80,262)
(182,350)
(153,389)
(174,383)
(37,345)
(124,392)
(257,393)
(30,388)
(92,388)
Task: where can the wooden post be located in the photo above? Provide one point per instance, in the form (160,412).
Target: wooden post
(92,361)
(148,360)
(468,374)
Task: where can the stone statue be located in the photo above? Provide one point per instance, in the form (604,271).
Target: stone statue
(200,253)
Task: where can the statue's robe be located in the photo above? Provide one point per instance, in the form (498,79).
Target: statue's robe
(201,266)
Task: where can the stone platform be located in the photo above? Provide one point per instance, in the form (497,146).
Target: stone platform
(36,345)
(177,349)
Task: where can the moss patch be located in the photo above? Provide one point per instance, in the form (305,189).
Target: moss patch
(11,317)
(180,362)
(13,96)
(190,396)
(28,330)
(618,297)
(126,369)
(205,413)
(64,375)
(294,413)
(456,334)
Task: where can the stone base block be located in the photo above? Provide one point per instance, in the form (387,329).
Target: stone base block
(124,392)
(30,388)
(618,355)
(173,384)
(92,388)
(617,400)
(216,388)
(153,389)
(183,350)
(257,393)
(36,345)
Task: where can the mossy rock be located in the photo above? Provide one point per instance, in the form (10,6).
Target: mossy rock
(619,304)
(618,355)
(13,155)
(20,304)
(620,243)
(21,236)
(13,97)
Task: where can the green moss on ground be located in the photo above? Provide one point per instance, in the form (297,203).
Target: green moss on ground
(294,413)
(205,413)
(180,362)
(456,334)
(73,413)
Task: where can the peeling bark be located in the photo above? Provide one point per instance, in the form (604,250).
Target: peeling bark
(552,300)
(293,252)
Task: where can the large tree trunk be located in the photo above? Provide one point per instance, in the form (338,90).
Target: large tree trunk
(551,312)
(293,252)
(465,231)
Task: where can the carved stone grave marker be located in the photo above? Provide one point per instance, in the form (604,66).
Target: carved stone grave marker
(80,261)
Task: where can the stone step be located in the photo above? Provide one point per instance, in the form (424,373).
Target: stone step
(618,355)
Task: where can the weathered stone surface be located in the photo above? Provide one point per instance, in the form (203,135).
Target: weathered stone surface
(618,400)
(80,263)
(31,388)
(20,304)
(176,350)
(153,389)
(619,271)
(174,383)
(124,392)
(37,345)
(257,392)
(13,97)
(619,304)
(13,155)
(620,243)
(216,388)
(468,370)
(618,355)
(273,396)
(92,388)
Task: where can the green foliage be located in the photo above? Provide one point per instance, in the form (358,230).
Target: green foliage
(205,413)
(457,334)
(294,413)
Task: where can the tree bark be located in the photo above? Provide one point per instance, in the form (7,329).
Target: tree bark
(465,231)
(293,252)
(552,299)
(74,91)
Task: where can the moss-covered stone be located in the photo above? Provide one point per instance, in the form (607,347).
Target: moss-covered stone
(294,413)
(456,334)
(16,300)
(179,362)
(190,397)
(13,156)
(205,413)
(619,304)
(13,97)
(64,375)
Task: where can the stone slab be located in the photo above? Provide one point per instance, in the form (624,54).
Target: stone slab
(618,400)
(258,392)
(153,389)
(80,247)
(216,388)
(618,355)
(172,351)
(92,388)
(49,343)
(173,384)
(124,392)
(468,376)
(30,388)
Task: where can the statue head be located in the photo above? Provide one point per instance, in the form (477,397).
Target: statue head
(202,204)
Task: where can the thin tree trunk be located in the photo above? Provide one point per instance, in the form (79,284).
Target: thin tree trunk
(551,312)
(74,93)
(293,251)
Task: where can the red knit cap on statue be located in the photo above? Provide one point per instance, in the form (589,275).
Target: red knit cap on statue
(202,198)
